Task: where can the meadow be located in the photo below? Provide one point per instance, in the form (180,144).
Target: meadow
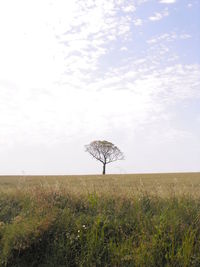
(95,220)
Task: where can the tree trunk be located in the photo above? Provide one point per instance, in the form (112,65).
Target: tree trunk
(104,168)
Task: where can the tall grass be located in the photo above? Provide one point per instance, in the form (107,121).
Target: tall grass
(47,226)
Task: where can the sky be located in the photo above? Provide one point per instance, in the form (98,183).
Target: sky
(125,71)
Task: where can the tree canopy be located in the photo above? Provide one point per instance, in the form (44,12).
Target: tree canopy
(105,152)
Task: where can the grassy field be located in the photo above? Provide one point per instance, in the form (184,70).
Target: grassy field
(112,220)
(129,184)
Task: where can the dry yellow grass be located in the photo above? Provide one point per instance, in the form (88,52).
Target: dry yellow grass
(163,184)
(47,220)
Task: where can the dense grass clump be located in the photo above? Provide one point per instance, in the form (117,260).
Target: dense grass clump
(55,228)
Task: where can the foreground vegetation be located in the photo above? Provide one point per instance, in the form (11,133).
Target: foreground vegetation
(55,225)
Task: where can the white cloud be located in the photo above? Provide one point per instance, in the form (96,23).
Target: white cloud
(123,48)
(168,37)
(62,79)
(158,16)
(123,96)
(167,1)
(185,36)
(83,31)
(129,8)
(138,22)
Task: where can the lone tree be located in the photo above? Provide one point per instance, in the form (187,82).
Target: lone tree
(105,152)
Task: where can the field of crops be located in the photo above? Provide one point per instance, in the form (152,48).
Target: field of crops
(112,220)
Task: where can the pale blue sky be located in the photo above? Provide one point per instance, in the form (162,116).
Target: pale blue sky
(75,71)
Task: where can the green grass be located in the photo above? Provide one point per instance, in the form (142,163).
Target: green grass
(115,220)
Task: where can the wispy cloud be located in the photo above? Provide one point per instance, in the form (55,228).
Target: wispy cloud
(92,69)
(158,16)
(167,1)
(185,36)
(169,37)
(128,94)
(138,22)
(123,48)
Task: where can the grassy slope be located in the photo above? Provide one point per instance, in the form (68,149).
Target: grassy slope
(116,220)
